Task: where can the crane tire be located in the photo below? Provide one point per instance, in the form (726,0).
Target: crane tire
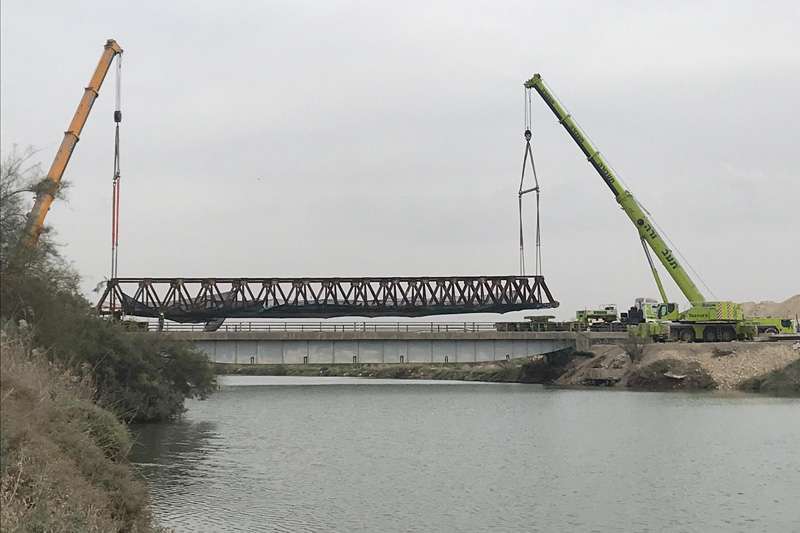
(710,334)
(686,335)
(772,330)
(726,334)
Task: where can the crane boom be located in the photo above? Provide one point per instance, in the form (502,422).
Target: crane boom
(49,186)
(626,200)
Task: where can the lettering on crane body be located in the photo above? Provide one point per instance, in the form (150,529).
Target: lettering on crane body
(666,253)
(599,164)
(673,263)
(605,173)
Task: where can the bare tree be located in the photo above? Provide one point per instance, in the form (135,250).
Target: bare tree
(23,271)
(18,176)
(20,179)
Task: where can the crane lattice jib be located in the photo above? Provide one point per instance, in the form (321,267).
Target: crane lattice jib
(644,226)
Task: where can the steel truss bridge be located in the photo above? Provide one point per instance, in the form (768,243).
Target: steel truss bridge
(209,299)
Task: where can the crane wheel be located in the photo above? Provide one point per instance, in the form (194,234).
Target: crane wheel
(687,335)
(710,334)
(771,331)
(727,334)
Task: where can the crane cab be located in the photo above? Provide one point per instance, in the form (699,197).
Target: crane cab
(667,311)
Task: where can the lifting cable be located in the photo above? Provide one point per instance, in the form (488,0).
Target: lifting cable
(116,179)
(523,191)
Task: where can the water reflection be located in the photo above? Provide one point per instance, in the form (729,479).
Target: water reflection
(180,459)
(408,456)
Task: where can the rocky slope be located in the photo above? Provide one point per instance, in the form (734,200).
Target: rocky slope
(723,366)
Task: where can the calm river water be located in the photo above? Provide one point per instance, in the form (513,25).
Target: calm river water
(341,454)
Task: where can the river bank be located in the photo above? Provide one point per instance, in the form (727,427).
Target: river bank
(769,367)
(65,460)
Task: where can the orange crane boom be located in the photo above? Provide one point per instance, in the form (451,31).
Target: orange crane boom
(47,189)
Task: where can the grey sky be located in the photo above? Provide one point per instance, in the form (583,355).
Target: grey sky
(323,138)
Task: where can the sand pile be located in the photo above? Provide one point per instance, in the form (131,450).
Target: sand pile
(786,309)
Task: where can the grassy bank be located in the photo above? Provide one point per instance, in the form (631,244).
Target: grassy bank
(63,448)
(63,459)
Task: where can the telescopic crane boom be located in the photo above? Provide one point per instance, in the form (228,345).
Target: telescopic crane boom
(48,188)
(626,200)
(707,321)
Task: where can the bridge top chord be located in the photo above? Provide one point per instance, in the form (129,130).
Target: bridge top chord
(207,299)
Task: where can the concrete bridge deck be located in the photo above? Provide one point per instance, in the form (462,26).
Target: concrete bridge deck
(383,346)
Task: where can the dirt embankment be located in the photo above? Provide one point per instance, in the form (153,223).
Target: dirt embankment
(63,459)
(757,366)
(788,308)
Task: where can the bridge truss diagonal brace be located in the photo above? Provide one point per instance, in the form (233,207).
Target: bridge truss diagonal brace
(204,299)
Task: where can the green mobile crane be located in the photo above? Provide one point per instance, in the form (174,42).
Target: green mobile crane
(704,320)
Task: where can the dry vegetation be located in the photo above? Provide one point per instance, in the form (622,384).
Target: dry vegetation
(63,459)
(63,453)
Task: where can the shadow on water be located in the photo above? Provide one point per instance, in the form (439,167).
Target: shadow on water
(174,452)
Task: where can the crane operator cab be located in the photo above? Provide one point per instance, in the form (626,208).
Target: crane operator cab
(667,311)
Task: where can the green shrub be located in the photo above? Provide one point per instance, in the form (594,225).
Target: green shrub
(139,376)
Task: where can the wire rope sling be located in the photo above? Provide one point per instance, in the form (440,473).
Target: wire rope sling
(116,179)
(115,185)
(528,156)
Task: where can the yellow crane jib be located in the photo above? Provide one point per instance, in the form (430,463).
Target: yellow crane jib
(47,190)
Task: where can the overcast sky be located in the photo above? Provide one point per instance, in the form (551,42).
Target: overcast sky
(353,138)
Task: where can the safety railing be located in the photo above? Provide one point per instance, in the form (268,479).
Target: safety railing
(339,326)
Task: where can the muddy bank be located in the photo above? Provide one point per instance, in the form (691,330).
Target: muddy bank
(772,367)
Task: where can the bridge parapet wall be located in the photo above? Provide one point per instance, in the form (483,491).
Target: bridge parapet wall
(326,347)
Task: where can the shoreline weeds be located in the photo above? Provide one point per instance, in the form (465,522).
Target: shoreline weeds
(770,368)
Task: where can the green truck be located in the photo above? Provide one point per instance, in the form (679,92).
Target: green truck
(589,316)
(704,320)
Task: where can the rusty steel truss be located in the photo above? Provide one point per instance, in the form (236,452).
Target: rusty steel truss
(206,299)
